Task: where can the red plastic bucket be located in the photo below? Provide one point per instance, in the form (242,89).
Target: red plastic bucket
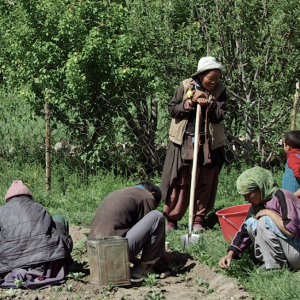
(231,219)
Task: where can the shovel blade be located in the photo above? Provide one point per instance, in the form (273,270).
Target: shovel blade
(188,240)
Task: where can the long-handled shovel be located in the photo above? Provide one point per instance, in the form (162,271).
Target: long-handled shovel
(190,238)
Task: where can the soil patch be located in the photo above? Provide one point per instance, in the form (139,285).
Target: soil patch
(191,281)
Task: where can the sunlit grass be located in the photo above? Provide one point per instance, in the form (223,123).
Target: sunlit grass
(78,198)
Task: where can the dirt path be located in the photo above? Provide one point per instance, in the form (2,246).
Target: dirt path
(195,281)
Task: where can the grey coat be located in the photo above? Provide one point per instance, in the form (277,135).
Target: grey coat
(28,235)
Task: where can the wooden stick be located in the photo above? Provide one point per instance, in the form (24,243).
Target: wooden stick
(47,142)
(194,169)
(294,116)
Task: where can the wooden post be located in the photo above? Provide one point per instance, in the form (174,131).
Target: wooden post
(294,116)
(47,142)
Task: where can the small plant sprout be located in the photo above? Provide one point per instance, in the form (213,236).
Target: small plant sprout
(76,276)
(11,291)
(151,280)
(205,285)
(57,289)
(183,276)
(155,296)
(175,267)
(69,287)
(19,283)
(108,288)
(202,283)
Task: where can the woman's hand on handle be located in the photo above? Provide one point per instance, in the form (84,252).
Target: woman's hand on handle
(200,97)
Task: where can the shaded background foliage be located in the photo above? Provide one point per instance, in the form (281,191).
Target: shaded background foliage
(109,68)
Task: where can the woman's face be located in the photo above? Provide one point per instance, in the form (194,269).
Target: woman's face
(253,197)
(210,79)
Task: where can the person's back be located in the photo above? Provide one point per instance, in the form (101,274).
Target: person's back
(33,244)
(27,235)
(131,213)
(291,176)
(120,211)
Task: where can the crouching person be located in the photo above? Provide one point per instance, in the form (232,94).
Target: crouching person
(272,223)
(35,248)
(131,212)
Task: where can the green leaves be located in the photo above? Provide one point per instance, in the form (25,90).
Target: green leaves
(95,55)
(76,276)
(151,280)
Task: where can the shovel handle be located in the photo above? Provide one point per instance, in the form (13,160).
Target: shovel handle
(194,168)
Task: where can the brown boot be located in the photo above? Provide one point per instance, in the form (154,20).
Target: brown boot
(199,224)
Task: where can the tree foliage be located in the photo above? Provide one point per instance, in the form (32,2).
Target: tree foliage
(109,68)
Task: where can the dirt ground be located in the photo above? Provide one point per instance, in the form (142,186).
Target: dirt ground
(191,281)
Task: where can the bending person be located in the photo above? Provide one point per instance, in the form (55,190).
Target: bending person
(34,248)
(131,212)
(272,223)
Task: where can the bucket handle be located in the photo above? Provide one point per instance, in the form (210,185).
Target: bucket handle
(238,226)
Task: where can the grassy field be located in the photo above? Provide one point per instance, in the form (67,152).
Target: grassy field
(78,198)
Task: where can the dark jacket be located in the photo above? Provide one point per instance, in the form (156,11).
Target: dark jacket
(28,235)
(120,211)
(181,117)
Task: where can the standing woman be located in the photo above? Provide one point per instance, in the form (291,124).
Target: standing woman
(204,88)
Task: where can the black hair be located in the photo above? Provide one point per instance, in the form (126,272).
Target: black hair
(292,139)
(152,188)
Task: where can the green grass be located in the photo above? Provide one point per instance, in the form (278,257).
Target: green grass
(263,285)
(77,199)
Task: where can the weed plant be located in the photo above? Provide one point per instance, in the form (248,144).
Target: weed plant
(76,276)
(155,296)
(151,280)
(183,276)
(78,251)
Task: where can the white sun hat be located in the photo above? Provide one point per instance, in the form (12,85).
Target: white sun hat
(209,63)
